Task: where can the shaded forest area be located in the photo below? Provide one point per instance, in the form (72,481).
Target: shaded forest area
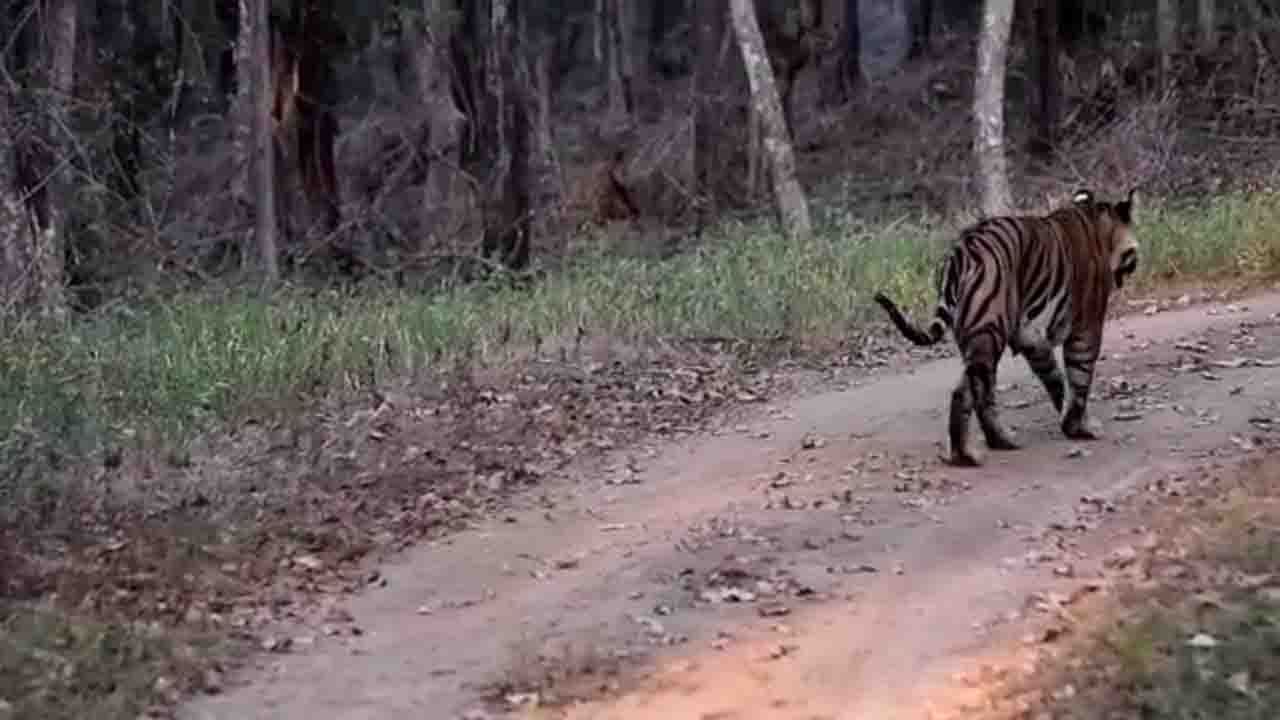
(408,143)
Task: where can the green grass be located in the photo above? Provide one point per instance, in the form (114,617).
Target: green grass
(182,365)
(53,667)
(1236,679)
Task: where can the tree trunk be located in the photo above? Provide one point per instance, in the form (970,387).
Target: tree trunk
(18,234)
(227,13)
(445,122)
(1207,16)
(988,107)
(241,115)
(1166,37)
(543,183)
(617,62)
(506,232)
(600,32)
(35,254)
(1048,81)
(851,78)
(257,56)
(319,38)
(920,22)
(709,27)
(663,16)
(793,209)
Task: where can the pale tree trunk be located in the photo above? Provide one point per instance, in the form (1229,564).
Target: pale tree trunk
(262,138)
(793,209)
(1166,37)
(241,115)
(988,107)
(618,61)
(600,31)
(17,232)
(1208,21)
(445,122)
(709,18)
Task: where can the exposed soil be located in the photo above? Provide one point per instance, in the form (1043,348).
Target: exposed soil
(814,560)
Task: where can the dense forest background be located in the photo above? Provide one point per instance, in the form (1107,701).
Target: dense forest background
(411,143)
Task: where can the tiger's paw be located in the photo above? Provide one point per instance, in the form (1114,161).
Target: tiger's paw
(964,458)
(1080,430)
(1002,442)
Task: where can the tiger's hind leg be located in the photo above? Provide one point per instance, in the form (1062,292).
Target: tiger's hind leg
(1081,355)
(976,393)
(1046,369)
(958,427)
(983,382)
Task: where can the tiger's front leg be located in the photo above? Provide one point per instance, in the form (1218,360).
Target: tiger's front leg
(1080,353)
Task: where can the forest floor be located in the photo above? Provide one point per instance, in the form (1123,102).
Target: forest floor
(811,557)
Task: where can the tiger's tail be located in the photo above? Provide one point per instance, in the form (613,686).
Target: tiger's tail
(936,330)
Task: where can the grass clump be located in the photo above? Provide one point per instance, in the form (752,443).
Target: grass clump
(55,667)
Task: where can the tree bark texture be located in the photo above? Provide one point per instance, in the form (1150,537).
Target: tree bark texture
(319,39)
(445,123)
(618,62)
(793,209)
(241,115)
(18,234)
(1207,20)
(920,25)
(708,110)
(844,77)
(988,107)
(506,231)
(788,28)
(1049,95)
(262,156)
(39,151)
(543,180)
(851,78)
(1166,37)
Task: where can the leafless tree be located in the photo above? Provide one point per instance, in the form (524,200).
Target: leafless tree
(793,208)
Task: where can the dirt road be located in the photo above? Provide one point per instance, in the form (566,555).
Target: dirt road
(817,562)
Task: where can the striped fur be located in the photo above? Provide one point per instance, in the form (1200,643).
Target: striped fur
(1032,283)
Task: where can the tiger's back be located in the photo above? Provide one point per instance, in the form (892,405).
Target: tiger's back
(1032,284)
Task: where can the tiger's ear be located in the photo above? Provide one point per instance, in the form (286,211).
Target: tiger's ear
(1124,210)
(1082,197)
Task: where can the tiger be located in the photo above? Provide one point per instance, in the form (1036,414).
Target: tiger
(1033,283)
